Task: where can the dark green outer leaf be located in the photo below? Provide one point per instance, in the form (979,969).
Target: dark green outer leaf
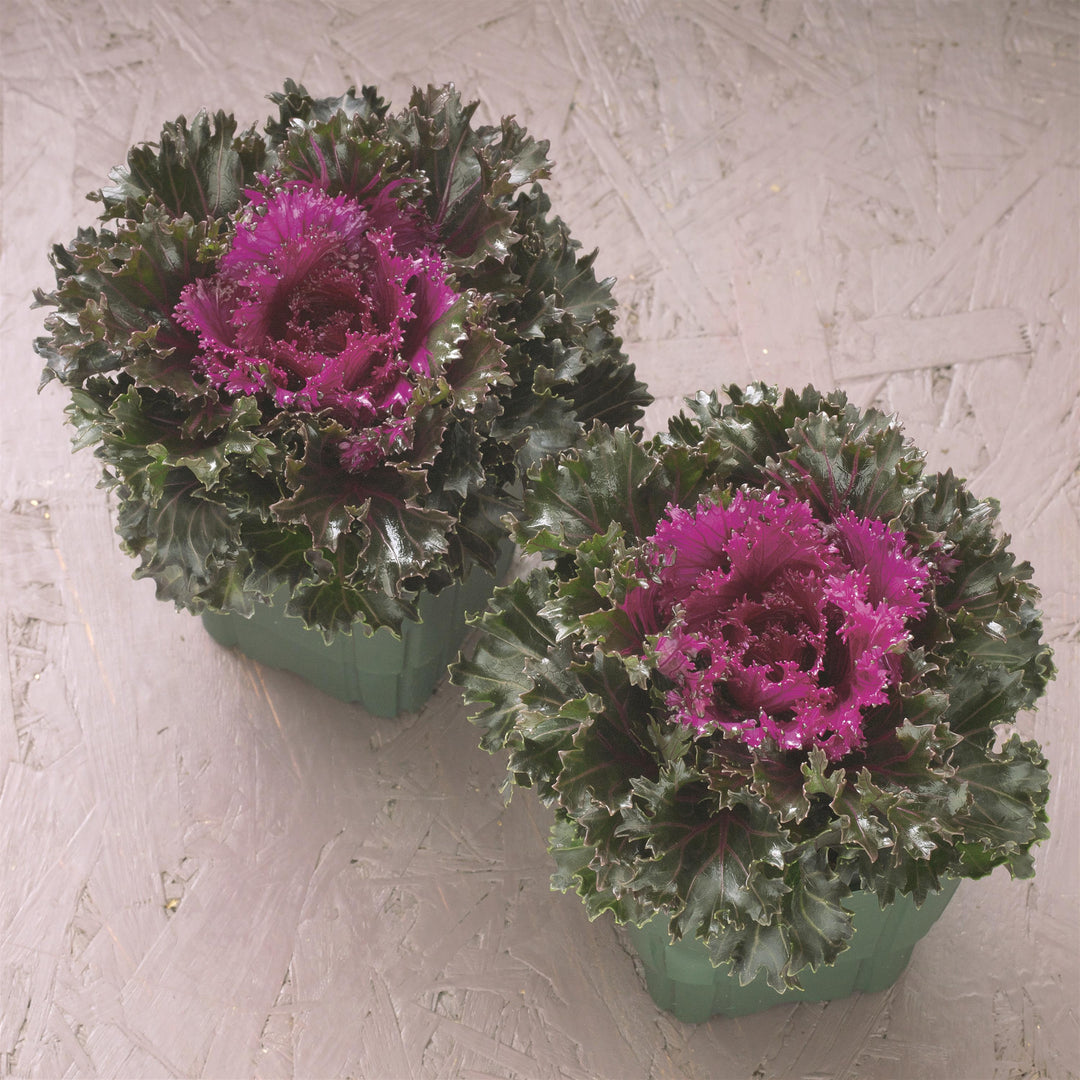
(751,434)
(816,925)
(981,699)
(813,929)
(478,365)
(404,541)
(469,171)
(496,677)
(335,606)
(611,478)
(481,531)
(781,785)
(185,542)
(575,862)
(341,156)
(609,749)
(837,468)
(199,170)
(710,865)
(861,808)
(297,107)
(277,556)
(537,424)
(1009,792)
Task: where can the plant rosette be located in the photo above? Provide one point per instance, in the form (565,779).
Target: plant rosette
(316,361)
(761,678)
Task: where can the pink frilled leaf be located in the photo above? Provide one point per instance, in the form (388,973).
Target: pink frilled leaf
(880,553)
(326,303)
(687,545)
(775,624)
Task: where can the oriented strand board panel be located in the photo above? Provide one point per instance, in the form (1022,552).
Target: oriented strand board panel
(207,869)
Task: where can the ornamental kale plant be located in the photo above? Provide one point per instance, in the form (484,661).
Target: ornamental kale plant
(766,665)
(320,358)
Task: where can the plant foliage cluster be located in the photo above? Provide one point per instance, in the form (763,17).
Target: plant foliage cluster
(748,843)
(321,356)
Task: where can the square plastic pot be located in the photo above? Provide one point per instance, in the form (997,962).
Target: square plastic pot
(386,674)
(682,980)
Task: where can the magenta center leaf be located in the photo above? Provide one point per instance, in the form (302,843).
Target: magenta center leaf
(772,624)
(325,303)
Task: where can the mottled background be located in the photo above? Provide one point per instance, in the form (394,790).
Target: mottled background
(205,869)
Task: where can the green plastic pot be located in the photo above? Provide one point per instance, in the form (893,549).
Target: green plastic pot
(682,980)
(386,674)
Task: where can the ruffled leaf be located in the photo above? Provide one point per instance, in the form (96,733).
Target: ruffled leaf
(337,606)
(608,749)
(575,869)
(199,170)
(298,109)
(711,865)
(867,468)
(812,929)
(186,543)
(515,637)
(470,172)
(1008,795)
(612,478)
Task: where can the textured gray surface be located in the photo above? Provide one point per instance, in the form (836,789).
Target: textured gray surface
(206,870)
